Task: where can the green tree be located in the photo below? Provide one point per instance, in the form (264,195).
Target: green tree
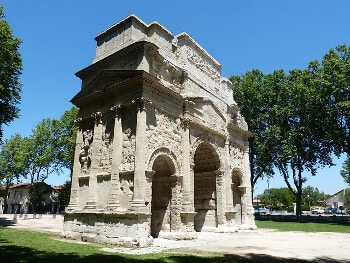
(11,163)
(278,198)
(345,171)
(63,195)
(67,132)
(37,194)
(312,197)
(253,98)
(42,151)
(10,71)
(301,143)
(345,198)
(335,89)
(287,115)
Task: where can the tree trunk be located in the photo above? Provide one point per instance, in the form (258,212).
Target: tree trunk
(298,204)
(7,187)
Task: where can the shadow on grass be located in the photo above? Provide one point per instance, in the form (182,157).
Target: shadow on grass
(13,253)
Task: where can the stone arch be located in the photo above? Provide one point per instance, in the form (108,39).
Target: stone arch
(204,139)
(170,157)
(206,164)
(165,208)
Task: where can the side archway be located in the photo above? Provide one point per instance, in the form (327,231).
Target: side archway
(204,139)
(169,156)
(206,164)
(164,208)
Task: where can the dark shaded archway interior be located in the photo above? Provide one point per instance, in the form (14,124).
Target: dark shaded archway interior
(206,162)
(161,195)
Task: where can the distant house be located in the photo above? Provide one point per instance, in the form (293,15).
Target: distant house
(18,199)
(335,200)
(256,201)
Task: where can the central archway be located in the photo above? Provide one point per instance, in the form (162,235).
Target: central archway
(206,163)
(161,195)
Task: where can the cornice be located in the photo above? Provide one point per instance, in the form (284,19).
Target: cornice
(134,79)
(108,61)
(244,133)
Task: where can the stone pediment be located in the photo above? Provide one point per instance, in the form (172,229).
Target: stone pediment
(103,81)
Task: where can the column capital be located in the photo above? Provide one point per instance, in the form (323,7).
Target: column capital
(117,109)
(97,116)
(78,121)
(141,103)
(185,122)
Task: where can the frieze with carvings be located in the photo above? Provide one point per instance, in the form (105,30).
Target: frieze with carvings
(165,133)
(236,152)
(202,65)
(170,75)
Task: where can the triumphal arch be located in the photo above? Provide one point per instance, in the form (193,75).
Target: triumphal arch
(162,149)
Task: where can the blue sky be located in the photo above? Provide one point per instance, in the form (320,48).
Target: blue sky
(58,40)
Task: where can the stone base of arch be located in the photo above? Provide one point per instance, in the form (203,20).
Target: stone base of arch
(120,229)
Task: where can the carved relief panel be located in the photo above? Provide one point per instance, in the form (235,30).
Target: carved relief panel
(170,75)
(85,151)
(163,131)
(107,141)
(236,152)
(129,140)
(126,189)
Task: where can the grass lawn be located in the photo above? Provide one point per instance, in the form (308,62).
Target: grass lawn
(304,226)
(26,246)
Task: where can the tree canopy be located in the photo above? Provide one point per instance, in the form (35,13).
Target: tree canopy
(44,153)
(12,163)
(10,71)
(299,119)
(345,171)
(67,132)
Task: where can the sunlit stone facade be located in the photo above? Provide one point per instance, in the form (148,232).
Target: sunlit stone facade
(162,149)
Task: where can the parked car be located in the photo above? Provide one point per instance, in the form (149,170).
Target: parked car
(341,210)
(261,211)
(330,210)
(317,210)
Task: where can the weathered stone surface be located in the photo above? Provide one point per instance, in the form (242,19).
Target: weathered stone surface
(162,148)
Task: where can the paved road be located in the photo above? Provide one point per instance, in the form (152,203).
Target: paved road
(316,247)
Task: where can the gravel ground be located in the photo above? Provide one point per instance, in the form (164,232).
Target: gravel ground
(313,247)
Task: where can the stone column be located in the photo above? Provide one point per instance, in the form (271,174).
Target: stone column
(220,193)
(95,160)
(248,209)
(74,196)
(175,203)
(140,152)
(228,179)
(186,168)
(113,203)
